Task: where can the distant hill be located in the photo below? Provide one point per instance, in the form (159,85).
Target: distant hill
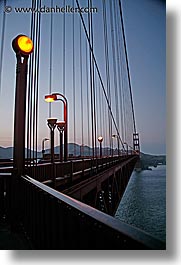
(76,150)
(73,149)
(6,152)
(152,160)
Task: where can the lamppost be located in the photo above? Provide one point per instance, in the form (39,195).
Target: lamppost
(126,148)
(23,47)
(100,139)
(52,124)
(131,149)
(60,127)
(55,97)
(82,150)
(116,136)
(43,146)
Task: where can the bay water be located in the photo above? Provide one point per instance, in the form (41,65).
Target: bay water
(144,202)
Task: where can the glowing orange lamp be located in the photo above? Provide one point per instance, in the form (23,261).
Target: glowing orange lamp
(50,98)
(23,45)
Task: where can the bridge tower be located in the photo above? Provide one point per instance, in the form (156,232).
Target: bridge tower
(136,142)
(136,147)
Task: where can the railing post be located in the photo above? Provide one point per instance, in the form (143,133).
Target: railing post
(91,172)
(71,171)
(82,168)
(1,196)
(97,166)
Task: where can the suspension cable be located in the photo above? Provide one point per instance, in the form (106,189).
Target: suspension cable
(93,82)
(87,78)
(127,64)
(35,85)
(51,57)
(81,88)
(37,75)
(64,50)
(114,62)
(73,71)
(91,85)
(30,91)
(106,51)
(2,44)
(98,72)
(119,62)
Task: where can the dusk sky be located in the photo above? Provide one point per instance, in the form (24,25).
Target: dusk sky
(145,26)
(145,22)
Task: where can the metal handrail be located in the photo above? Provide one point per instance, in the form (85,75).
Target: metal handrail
(41,172)
(126,233)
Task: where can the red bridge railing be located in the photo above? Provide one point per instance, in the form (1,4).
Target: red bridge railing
(48,171)
(53,220)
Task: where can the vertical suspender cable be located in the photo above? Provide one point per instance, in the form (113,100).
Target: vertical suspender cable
(2,43)
(34,86)
(32,97)
(102,124)
(81,89)
(99,74)
(100,107)
(73,71)
(64,51)
(87,80)
(114,62)
(93,82)
(37,74)
(122,76)
(123,104)
(127,65)
(91,85)
(106,51)
(35,82)
(50,57)
(97,105)
(30,90)
(118,49)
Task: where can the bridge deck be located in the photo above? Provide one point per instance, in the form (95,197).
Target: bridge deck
(78,226)
(53,220)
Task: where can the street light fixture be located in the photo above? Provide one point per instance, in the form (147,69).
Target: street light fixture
(132,150)
(60,127)
(23,47)
(126,148)
(50,98)
(116,136)
(59,97)
(43,146)
(100,140)
(52,124)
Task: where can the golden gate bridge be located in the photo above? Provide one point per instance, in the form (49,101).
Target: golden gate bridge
(67,200)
